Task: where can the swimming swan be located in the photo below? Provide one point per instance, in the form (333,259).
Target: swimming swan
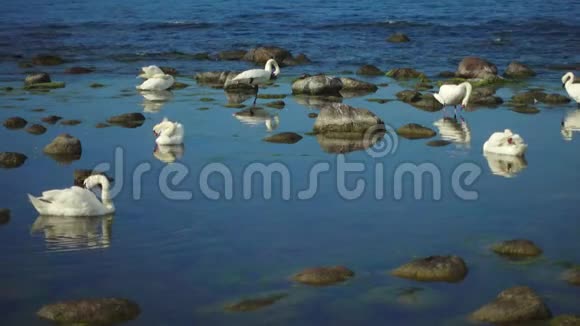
(454,95)
(572,89)
(168,132)
(505,143)
(257,77)
(75,201)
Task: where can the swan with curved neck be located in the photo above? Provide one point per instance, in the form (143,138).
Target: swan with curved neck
(168,132)
(572,89)
(257,77)
(150,71)
(454,95)
(156,79)
(76,201)
(505,143)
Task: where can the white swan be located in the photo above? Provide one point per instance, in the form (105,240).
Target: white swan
(256,116)
(158,82)
(168,153)
(257,77)
(454,95)
(168,132)
(570,124)
(505,165)
(75,201)
(150,71)
(63,233)
(505,143)
(455,131)
(572,88)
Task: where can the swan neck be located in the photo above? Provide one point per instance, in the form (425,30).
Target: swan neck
(105,194)
(570,80)
(468,90)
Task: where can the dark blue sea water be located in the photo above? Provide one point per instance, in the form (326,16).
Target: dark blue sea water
(182,260)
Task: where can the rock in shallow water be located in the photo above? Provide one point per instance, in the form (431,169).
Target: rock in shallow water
(64,148)
(405,73)
(4,216)
(79,70)
(433,269)
(127,120)
(351,85)
(10,160)
(253,304)
(517,248)
(321,85)
(518,70)
(284,138)
(71,122)
(415,131)
(517,304)
(15,123)
(438,143)
(47,60)
(341,119)
(103,311)
(369,70)
(474,67)
(572,276)
(36,129)
(37,78)
(52,119)
(565,320)
(398,38)
(323,275)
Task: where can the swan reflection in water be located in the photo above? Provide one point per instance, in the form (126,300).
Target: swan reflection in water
(64,233)
(256,116)
(168,153)
(505,165)
(570,124)
(454,130)
(154,100)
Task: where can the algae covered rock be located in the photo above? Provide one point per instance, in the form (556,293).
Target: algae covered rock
(516,304)
(433,269)
(231,54)
(4,216)
(323,275)
(253,304)
(262,54)
(103,311)
(517,248)
(474,67)
(415,131)
(565,320)
(351,85)
(79,70)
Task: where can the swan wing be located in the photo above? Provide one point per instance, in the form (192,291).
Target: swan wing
(253,76)
(156,84)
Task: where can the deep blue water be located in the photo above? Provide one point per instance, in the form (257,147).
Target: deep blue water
(182,260)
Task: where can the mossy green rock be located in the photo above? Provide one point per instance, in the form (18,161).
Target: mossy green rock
(433,269)
(556,99)
(514,305)
(105,311)
(44,86)
(517,248)
(415,131)
(253,304)
(322,276)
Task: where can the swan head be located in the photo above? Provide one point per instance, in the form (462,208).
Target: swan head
(150,71)
(272,63)
(158,128)
(566,78)
(96,180)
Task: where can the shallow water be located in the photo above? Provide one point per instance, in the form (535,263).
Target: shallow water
(182,260)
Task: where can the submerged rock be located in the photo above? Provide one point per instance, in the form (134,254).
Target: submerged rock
(64,148)
(474,67)
(433,269)
(45,86)
(4,216)
(555,99)
(516,304)
(36,129)
(231,54)
(178,85)
(15,123)
(323,275)
(369,70)
(565,320)
(96,85)
(264,53)
(101,125)
(572,276)
(398,38)
(103,311)
(518,70)
(215,78)
(79,70)
(415,131)
(47,60)
(517,248)
(300,59)
(351,85)
(276,104)
(405,73)
(37,78)
(338,120)
(312,115)
(10,160)
(320,85)
(127,120)
(426,102)
(526,109)
(51,119)
(284,138)
(438,143)
(253,304)
(71,122)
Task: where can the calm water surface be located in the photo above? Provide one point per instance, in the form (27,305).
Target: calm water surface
(182,260)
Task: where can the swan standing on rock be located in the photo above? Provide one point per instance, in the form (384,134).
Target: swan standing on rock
(572,89)
(454,95)
(76,201)
(505,143)
(156,79)
(257,77)
(168,133)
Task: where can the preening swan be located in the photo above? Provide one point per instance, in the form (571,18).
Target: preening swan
(156,79)
(505,165)
(456,131)
(505,143)
(454,95)
(75,201)
(257,77)
(572,89)
(570,124)
(168,132)
(168,153)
